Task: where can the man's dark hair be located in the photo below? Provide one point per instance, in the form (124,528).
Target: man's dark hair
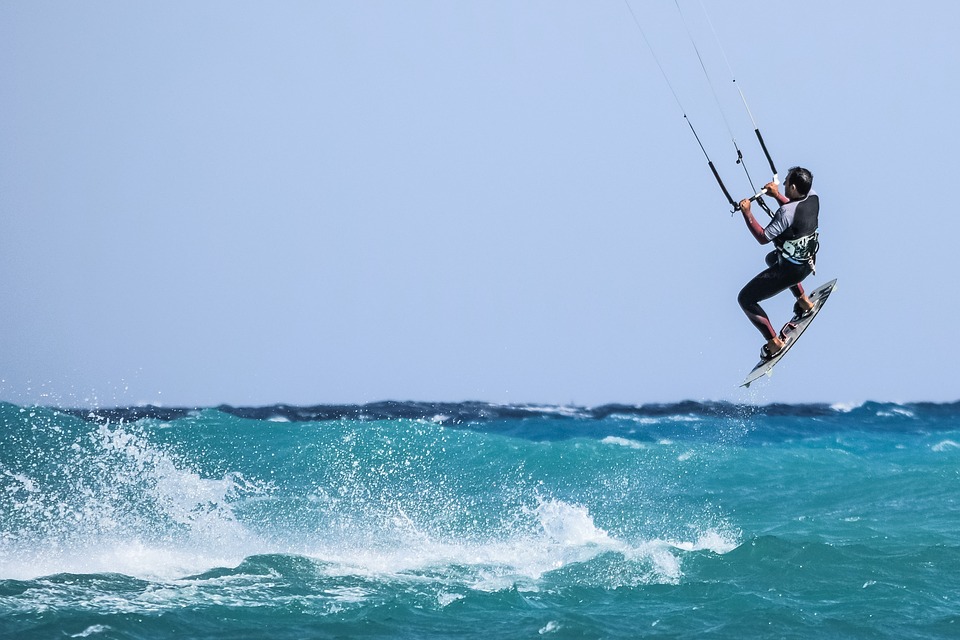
(801,178)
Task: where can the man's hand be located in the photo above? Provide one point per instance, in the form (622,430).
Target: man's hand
(772,190)
(745,206)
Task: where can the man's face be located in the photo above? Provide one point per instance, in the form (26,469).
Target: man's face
(789,189)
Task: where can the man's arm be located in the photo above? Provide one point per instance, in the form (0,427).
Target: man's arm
(774,192)
(755,229)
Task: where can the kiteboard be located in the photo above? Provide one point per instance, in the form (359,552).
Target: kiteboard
(792,332)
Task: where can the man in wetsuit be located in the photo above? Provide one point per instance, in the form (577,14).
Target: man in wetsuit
(793,232)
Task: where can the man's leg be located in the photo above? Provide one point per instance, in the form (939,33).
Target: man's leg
(764,285)
(804,304)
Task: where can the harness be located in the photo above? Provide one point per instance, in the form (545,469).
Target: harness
(801,250)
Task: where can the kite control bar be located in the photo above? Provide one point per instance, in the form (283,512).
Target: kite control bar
(757,197)
(759,200)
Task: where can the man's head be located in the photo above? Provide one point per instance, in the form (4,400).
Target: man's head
(801,179)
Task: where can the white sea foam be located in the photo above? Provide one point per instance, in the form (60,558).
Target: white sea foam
(133,558)
(713,540)
(846,407)
(566,538)
(444,599)
(91,630)
(550,627)
(349,595)
(623,442)
(570,524)
(896,412)
(561,535)
(645,420)
(944,445)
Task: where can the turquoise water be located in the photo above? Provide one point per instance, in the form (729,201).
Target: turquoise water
(405,520)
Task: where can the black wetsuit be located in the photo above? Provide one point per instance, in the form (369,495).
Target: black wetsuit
(794,220)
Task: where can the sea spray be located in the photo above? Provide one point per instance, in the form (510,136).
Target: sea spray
(89,498)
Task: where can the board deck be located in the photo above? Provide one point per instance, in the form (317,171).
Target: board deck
(765,367)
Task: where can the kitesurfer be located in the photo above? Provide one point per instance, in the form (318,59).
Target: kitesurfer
(793,232)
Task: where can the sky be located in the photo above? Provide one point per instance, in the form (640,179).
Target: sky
(498,200)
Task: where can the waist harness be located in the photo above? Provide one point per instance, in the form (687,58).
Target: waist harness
(802,250)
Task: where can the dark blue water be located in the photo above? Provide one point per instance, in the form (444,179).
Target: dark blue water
(419,520)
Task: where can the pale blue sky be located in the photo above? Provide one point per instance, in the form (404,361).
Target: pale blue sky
(326,202)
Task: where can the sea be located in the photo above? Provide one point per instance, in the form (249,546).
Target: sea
(474,520)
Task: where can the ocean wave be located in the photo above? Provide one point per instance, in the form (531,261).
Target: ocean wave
(467,413)
(162,498)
